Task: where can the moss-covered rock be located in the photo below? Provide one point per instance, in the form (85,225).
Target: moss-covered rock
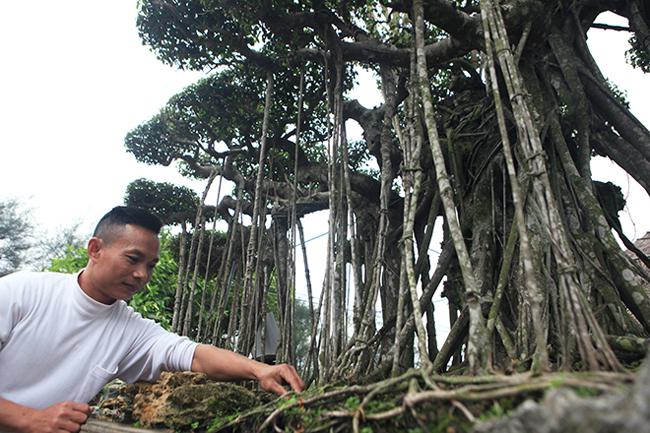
(196,406)
(180,401)
(115,402)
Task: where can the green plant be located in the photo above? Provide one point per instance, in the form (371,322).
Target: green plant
(495,411)
(71,260)
(352,403)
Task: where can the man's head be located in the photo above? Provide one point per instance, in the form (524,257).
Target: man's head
(121,254)
(110,224)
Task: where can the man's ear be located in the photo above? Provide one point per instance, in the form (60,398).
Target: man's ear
(94,248)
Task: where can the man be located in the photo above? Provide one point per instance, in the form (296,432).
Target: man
(63,337)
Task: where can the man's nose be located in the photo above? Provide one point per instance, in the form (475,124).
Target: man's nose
(141,272)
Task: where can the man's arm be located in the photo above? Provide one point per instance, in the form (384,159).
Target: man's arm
(62,417)
(220,364)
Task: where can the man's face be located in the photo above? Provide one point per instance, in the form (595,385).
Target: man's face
(123,265)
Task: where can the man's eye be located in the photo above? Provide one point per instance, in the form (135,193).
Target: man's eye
(132,259)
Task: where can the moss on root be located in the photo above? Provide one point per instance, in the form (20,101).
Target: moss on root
(413,402)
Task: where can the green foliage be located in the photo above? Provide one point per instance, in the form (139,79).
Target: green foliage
(380,21)
(495,411)
(620,95)
(227,106)
(359,156)
(204,34)
(197,34)
(439,83)
(376,406)
(444,422)
(70,260)
(225,110)
(352,403)
(158,129)
(173,204)
(585,391)
(165,27)
(637,56)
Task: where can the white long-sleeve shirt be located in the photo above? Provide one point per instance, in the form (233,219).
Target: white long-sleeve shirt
(57,343)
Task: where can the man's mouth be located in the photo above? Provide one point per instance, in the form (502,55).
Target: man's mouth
(131,287)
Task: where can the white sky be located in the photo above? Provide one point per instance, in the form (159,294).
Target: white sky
(75,78)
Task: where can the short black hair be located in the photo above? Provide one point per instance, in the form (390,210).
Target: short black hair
(123,215)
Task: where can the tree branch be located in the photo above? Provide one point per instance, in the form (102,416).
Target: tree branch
(639,25)
(610,27)
(625,155)
(371,51)
(446,15)
(626,124)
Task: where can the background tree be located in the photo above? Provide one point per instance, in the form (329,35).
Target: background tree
(173,204)
(16,233)
(55,245)
(490,116)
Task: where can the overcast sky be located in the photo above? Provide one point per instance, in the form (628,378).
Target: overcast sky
(76,78)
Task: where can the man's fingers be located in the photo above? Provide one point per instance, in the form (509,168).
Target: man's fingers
(75,412)
(273,377)
(290,375)
(68,425)
(71,415)
(80,407)
(276,388)
(77,416)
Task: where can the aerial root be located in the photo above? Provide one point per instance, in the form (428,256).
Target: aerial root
(407,396)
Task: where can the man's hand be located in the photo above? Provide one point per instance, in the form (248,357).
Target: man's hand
(68,416)
(272,378)
(60,418)
(221,364)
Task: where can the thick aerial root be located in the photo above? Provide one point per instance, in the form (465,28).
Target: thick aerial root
(407,400)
